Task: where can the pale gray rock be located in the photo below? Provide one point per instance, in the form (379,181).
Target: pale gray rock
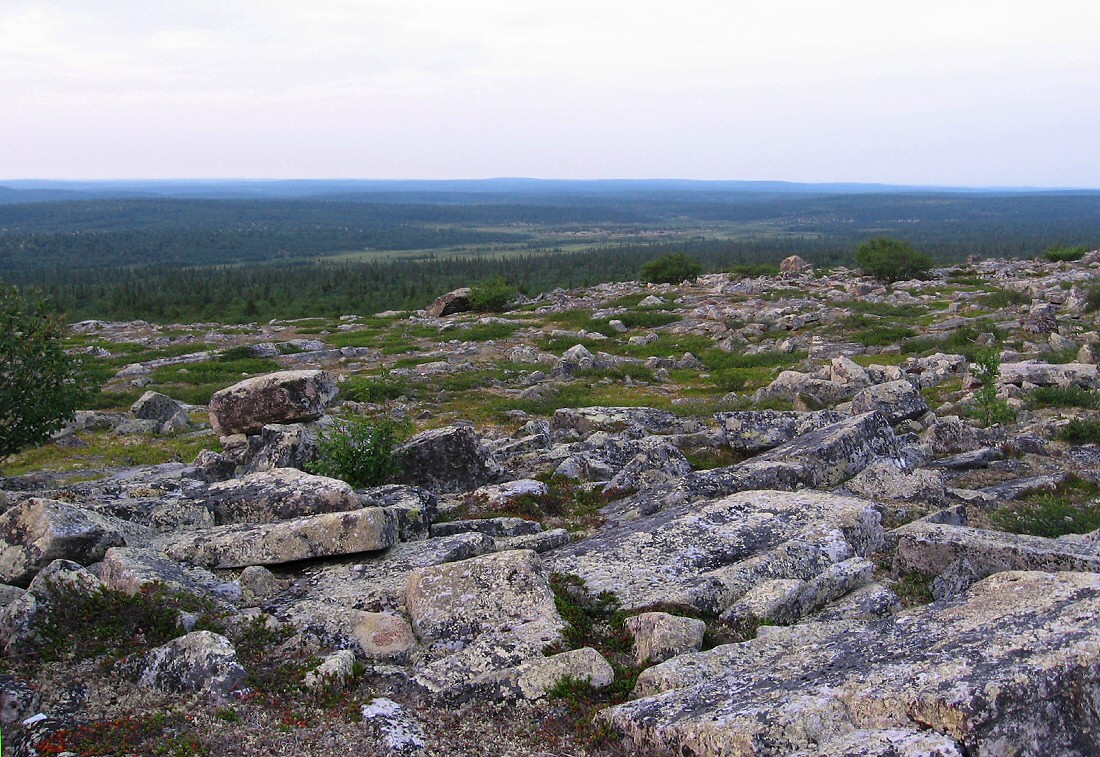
(1045,374)
(370,635)
(459,601)
(277,445)
(169,414)
(959,576)
(709,556)
(753,431)
(792,385)
(659,636)
(447,460)
(35,532)
(582,422)
(935,547)
(534,679)
(1008,670)
(793,264)
(283,397)
(949,437)
(648,468)
(201,662)
(490,526)
(870,602)
(278,495)
(333,672)
(398,732)
(892,742)
(9,594)
(258,584)
(365,530)
(497,496)
(846,371)
(885,480)
(897,400)
(416,508)
(130,569)
(18,700)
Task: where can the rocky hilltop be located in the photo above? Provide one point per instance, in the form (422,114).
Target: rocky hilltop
(803,514)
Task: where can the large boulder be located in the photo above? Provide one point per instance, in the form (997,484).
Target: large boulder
(37,531)
(277,495)
(635,421)
(897,400)
(447,460)
(753,431)
(169,414)
(709,556)
(1046,374)
(365,530)
(793,264)
(1009,669)
(283,397)
(201,662)
(457,301)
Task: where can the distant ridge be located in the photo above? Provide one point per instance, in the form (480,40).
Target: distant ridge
(46,190)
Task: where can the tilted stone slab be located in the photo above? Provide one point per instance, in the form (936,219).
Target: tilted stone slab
(709,556)
(1012,668)
(282,397)
(365,530)
(447,460)
(823,458)
(933,547)
(37,531)
(753,431)
(279,494)
(897,400)
(585,421)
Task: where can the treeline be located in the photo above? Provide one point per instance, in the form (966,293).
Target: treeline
(251,293)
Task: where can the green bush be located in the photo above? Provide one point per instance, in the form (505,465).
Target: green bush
(1081,431)
(361,452)
(1061,254)
(1071,396)
(671,269)
(889,259)
(492,296)
(40,384)
(1092,299)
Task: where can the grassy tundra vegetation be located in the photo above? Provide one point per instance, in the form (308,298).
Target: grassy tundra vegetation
(232,257)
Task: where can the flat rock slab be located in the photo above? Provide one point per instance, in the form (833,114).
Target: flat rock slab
(365,530)
(37,531)
(1048,374)
(933,547)
(709,556)
(277,495)
(754,431)
(1011,668)
(282,397)
(640,421)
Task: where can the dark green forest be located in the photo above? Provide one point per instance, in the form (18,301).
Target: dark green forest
(174,259)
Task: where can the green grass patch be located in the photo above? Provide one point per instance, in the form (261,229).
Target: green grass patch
(1081,431)
(374,389)
(219,370)
(883,335)
(1056,396)
(1003,298)
(109,450)
(884,309)
(481,332)
(914,588)
(647,319)
(1073,508)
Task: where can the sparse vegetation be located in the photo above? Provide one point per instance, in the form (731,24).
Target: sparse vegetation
(1081,431)
(1073,508)
(1062,254)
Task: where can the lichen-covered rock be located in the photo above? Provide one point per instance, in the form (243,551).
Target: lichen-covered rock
(648,468)
(1009,669)
(369,635)
(949,437)
(708,556)
(889,742)
(885,480)
(37,531)
(1045,374)
(795,265)
(497,496)
(332,673)
(447,460)
(792,385)
(753,431)
(897,400)
(169,414)
(582,422)
(283,397)
(535,678)
(490,526)
(61,581)
(201,662)
(397,731)
(659,636)
(458,601)
(18,700)
(278,494)
(415,507)
(130,569)
(258,584)
(365,530)
(282,445)
(934,547)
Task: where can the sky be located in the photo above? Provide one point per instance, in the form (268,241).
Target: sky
(961,93)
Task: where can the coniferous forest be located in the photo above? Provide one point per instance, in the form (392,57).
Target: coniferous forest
(243,258)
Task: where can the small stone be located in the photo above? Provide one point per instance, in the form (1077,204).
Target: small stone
(659,636)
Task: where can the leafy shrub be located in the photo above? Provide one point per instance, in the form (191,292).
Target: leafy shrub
(361,452)
(1057,396)
(1081,431)
(491,296)
(1003,298)
(1092,299)
(40,384)
(990,410)
(889,259)
(1061,254)
(671,269)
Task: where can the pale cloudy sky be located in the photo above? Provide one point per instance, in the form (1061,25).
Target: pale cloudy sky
(968,92)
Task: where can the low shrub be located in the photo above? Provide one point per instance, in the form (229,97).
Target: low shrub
(1057,396)
(671,269)
(360,452)
(1081,431)
(1062,254)
(890,259)
(492,296)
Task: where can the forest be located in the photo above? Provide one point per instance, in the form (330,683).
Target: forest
(232,259)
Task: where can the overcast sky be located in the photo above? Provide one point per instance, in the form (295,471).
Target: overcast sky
(959,92)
